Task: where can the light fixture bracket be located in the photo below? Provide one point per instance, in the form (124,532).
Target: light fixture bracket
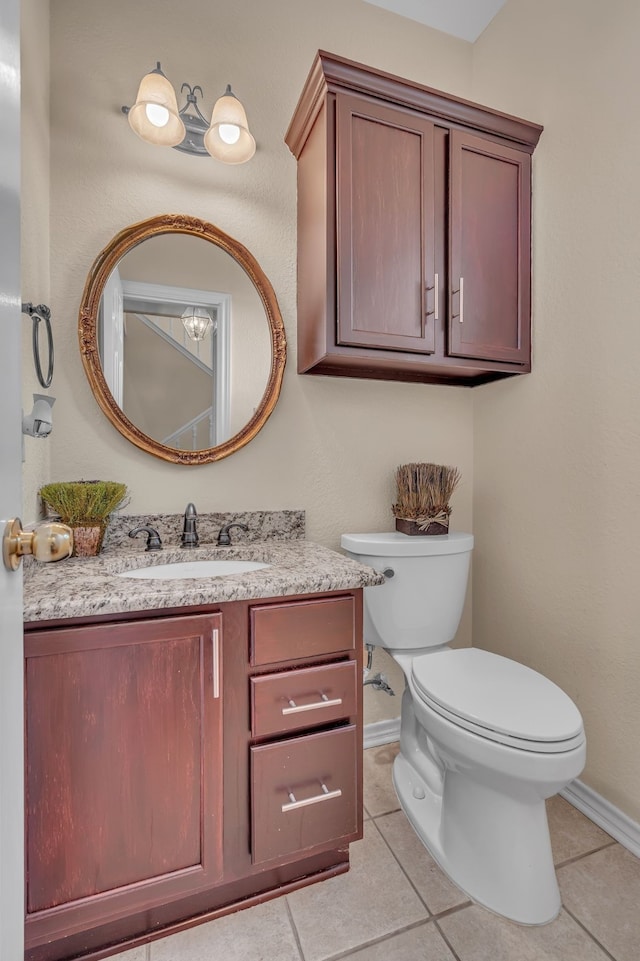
(195,124)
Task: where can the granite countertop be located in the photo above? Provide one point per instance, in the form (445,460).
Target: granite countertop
(84,587)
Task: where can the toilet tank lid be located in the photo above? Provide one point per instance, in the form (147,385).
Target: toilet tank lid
(396,544)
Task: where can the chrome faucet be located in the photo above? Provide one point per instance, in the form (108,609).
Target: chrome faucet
(189,533)
(223,537)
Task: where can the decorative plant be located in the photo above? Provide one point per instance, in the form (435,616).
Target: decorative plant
(84,502)
(85,506)
(423,495)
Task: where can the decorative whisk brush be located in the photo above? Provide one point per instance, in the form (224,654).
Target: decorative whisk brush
(422,498)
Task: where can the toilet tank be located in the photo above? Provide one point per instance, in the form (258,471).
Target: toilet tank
(420,603)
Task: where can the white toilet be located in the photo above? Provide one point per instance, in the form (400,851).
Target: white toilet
(483,740)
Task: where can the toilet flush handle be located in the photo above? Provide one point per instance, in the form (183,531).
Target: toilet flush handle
(389,572)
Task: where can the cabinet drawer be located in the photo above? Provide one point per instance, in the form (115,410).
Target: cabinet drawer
(303,629)
(303,793)
(303,698)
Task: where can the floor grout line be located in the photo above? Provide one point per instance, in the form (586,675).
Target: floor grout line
(381,940)
(446,940)
(294,929)
(453,910)
(587,931)
(432,914)
(581,857)
(400,865)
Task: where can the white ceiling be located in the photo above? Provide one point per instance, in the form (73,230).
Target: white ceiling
(461,18)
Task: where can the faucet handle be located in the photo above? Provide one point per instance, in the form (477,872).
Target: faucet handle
(224,540)
(153,540)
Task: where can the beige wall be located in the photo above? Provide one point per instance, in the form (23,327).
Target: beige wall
(34,246)
(557,464)
(331,445)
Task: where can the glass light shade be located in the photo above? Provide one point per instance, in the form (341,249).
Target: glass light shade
(197,322)
(154,116)
(228,138)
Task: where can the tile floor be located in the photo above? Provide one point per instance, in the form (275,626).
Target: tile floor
(396,905)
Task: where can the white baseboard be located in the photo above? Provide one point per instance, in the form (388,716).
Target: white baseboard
(608,817)
(611,819)
(381,732)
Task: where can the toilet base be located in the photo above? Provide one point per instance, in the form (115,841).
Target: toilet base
(494,848)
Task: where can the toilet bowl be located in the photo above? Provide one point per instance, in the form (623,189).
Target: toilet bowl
(484,740)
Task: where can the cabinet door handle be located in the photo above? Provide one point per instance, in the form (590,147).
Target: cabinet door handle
(293,805)
(460,291)
(299,708)
(215,644)
(435,297)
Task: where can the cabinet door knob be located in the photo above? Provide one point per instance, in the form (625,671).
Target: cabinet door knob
(460,291)
(293,805)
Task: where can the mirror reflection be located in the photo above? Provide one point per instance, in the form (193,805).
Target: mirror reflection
(182,339)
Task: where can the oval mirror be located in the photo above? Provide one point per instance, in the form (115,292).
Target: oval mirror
(182,339)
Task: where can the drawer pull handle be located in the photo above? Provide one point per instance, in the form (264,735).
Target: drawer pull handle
(293,805)
(299,708)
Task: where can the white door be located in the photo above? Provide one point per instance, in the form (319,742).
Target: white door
(11,684)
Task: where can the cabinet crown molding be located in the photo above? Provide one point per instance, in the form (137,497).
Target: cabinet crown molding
(331,74)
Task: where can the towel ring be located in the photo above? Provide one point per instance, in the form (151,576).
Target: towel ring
(40,313)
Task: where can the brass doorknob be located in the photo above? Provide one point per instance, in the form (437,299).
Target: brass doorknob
(48,542)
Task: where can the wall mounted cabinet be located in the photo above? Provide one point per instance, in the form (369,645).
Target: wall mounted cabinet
(414,219)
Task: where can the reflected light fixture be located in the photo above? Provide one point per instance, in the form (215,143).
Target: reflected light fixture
(197,322)
(155,117)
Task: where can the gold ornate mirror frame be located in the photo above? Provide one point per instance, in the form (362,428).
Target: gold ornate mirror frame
(88,333)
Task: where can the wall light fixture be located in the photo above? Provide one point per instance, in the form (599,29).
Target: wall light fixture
(155,117)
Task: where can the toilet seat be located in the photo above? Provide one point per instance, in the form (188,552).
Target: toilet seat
(499,699)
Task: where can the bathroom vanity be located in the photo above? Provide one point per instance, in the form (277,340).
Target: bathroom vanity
(191,747)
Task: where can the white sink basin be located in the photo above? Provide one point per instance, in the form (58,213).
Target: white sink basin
(197,569)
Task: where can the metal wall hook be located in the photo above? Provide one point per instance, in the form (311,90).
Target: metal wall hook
(37,314)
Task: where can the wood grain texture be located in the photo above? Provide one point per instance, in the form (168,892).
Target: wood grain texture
(385,227)
(123,771)
(490,249)
(392,222)
(150,679)
(300,768)
(272,694)
(301,631)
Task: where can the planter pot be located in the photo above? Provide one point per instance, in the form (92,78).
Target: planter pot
(87,540)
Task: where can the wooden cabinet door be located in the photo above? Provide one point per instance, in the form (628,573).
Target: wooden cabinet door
(490,222)
(123,769)
(384,226)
